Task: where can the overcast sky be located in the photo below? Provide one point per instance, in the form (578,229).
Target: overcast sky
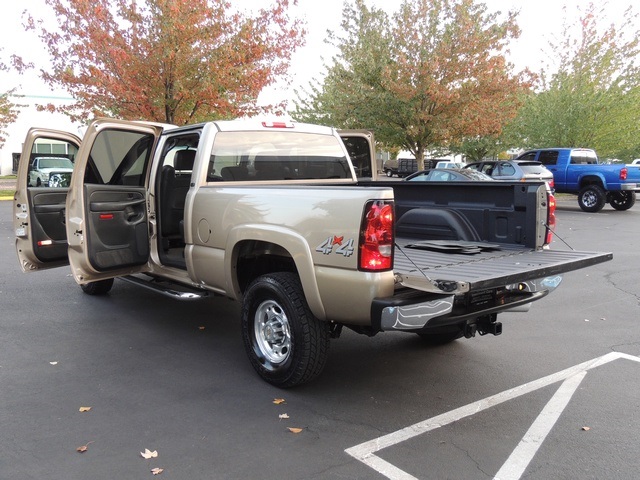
(539,20)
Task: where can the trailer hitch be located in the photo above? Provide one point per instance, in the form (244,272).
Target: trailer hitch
(483,326)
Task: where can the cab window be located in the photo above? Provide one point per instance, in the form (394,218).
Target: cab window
(119,158)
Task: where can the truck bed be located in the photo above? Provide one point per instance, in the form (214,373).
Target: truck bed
(461,266)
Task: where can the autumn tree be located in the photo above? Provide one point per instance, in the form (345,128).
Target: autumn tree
(8,109)
(8,114)
(432,73)
(591,98)
(174,61)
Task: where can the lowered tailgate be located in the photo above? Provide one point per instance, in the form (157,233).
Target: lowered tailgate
(460,267)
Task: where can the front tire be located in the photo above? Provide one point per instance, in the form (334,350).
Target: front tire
(286,344)
(99,287)
(623,200)
(592,198)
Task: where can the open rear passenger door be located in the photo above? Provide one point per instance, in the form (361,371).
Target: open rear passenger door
(107,204)
(39,218)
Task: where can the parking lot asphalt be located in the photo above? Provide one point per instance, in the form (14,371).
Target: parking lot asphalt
(173,378)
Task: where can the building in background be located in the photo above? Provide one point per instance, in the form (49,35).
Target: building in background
(28,117)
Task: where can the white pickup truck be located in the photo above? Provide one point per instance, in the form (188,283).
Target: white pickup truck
(275,216)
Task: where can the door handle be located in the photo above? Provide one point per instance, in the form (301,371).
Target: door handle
(114,206)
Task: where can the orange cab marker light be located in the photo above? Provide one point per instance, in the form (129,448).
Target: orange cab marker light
(106,216)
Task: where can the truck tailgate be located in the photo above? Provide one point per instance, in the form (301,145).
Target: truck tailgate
(458,267)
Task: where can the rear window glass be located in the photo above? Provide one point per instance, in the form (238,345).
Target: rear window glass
(507,169)
(532,168)
(259,156)
(588,157)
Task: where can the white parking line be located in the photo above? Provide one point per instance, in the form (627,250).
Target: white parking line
(520,458)
(365,452)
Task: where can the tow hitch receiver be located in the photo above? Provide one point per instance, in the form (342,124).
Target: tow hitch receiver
(483,325)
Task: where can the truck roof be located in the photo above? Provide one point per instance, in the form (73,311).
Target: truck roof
(261,125)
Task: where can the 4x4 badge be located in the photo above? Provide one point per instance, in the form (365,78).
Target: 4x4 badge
(344,248)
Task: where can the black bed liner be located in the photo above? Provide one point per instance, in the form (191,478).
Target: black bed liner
(461,266)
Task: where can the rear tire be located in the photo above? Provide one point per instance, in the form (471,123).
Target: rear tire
(99,287)
(592,198)
(286,344)
(623,200)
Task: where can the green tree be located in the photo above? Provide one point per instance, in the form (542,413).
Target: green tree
(475,149)
(592,98)
(432,73)
(175,61)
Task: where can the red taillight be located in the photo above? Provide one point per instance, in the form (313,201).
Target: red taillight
(551,218)
(623,173)
(376,237)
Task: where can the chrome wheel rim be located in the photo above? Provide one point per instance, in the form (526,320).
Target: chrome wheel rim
(272,332)
(589,199)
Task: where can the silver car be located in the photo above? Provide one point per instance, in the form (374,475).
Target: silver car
(514,170)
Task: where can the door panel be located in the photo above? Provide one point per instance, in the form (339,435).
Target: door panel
(39,218)
(48,230)
(117,219)
(107,224)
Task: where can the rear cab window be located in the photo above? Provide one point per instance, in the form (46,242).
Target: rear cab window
(276,156)
(584,157)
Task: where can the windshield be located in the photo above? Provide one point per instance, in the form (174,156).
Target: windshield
(55,163)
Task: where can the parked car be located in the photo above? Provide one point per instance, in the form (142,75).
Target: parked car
(448,175)
(50,172)
(449,164)
(514,170)
(390,167)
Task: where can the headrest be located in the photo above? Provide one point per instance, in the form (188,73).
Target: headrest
(183,159)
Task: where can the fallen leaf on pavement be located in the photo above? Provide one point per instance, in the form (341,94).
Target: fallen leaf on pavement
(283,415)
(84,448)
(84,409)
(279,401)
(586,429)
(53,363)
(149,454)
(294,429)
(157,471)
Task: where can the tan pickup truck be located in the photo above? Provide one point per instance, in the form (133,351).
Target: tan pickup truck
(290,220)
